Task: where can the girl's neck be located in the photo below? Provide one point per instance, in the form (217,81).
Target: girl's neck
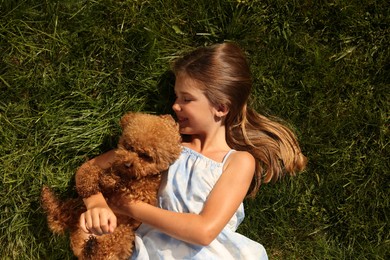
(214,147)
(215,152)
(211,143)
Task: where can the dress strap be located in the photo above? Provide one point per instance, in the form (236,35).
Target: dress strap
(227,155)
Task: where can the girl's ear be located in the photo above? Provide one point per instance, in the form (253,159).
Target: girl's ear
(221,111)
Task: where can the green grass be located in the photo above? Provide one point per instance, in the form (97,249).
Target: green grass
(70,69)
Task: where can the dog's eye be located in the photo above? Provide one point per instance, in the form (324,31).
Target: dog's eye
(129,148)
(145,156)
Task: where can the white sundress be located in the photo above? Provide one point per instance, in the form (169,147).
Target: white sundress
(185,189)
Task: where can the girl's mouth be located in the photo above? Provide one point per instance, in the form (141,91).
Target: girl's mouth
(182,120)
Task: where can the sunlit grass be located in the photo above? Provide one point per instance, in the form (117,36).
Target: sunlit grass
(70,69)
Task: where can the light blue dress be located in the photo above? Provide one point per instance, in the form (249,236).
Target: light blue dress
(185,189)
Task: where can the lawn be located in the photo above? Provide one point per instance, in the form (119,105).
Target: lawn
(70,69)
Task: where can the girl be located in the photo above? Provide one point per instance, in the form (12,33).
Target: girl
(228,151)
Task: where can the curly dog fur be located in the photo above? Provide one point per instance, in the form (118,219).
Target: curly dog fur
(146,148)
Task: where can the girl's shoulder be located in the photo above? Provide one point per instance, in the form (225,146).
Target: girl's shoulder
(240,160)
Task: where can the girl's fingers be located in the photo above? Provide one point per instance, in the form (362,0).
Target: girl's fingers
(111,223)
(104,223)
(95,223)
(83,223)
(89,222)
(98,221)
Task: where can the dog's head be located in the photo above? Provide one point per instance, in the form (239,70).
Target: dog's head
(148,144)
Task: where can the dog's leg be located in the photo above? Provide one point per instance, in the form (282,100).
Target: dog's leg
(115,246)
(78,240)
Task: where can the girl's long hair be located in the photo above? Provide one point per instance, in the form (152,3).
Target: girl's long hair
(225,74)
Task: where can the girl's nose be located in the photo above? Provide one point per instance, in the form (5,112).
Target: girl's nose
(176,107)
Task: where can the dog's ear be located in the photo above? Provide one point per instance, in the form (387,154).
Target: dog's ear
(126,119)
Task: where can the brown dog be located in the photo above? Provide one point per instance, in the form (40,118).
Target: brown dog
(147,147)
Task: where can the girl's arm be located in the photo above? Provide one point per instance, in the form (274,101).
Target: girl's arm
(222,203)
(99,218)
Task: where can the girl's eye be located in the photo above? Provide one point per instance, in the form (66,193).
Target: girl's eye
(183,99)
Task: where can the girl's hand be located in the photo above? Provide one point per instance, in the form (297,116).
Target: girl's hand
(98,220)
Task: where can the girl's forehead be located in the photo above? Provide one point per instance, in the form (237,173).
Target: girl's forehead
(186,84)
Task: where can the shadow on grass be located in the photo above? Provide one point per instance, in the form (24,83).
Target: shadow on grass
(161,100)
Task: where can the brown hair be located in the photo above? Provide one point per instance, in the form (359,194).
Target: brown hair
(225,73)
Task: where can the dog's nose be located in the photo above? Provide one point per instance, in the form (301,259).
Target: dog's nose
(128,165)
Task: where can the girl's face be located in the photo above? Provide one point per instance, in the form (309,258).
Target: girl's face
(194,112)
